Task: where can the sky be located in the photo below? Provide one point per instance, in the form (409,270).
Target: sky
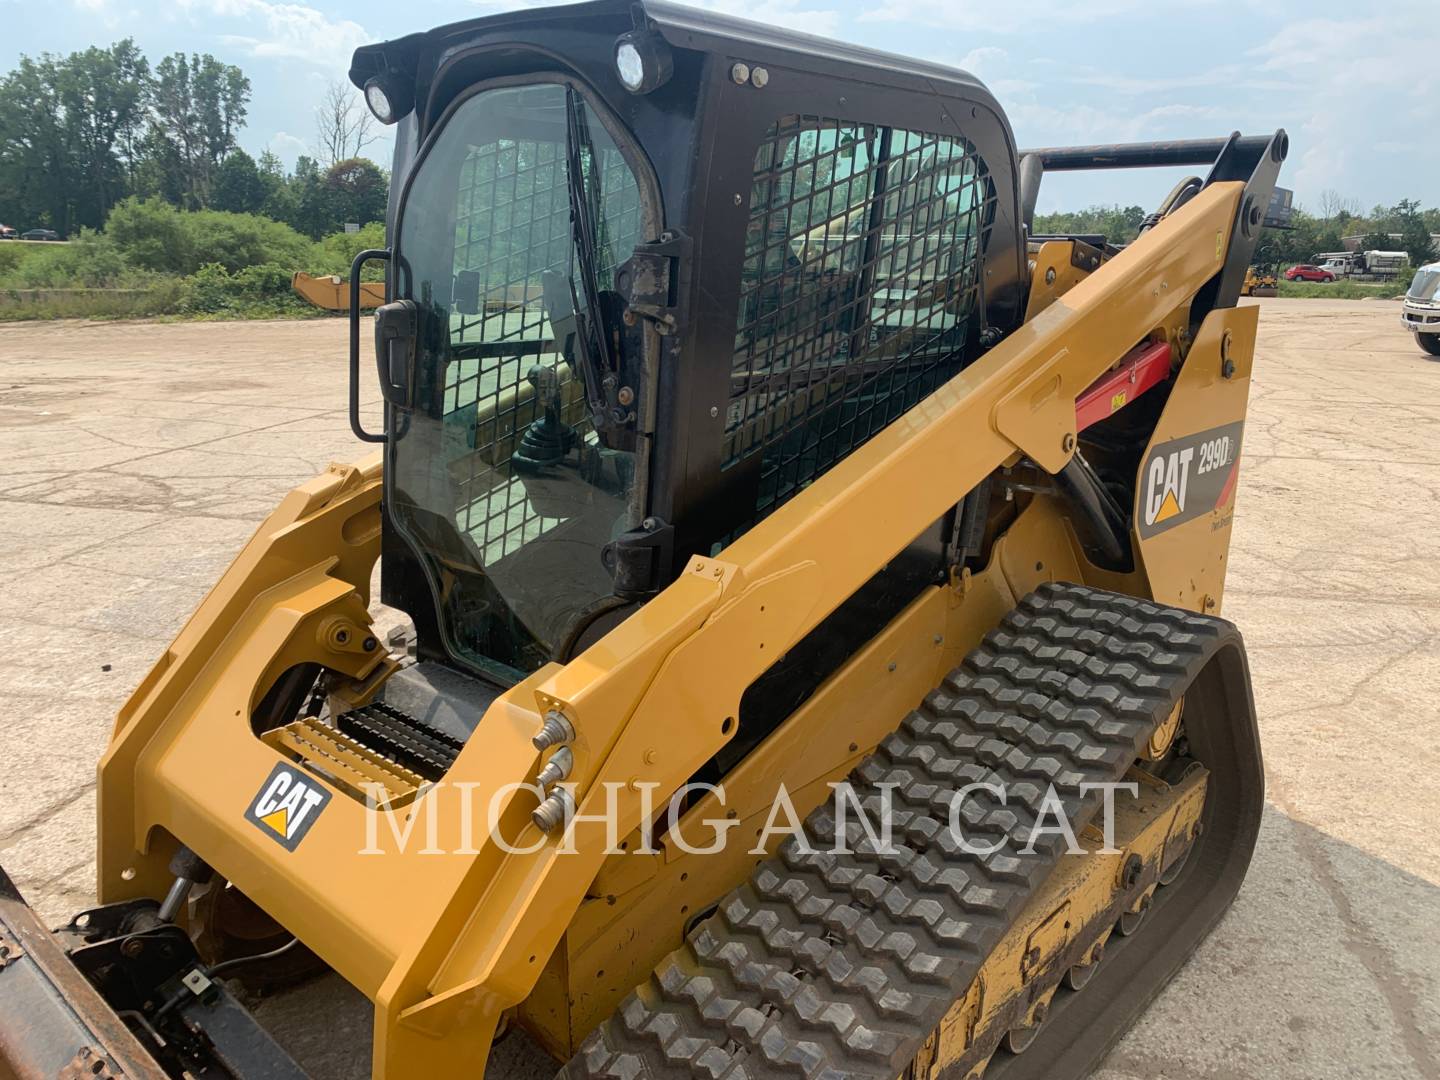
(1355,83)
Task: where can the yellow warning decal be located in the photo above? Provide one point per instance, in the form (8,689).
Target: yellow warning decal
(1117,402)
(1169,507)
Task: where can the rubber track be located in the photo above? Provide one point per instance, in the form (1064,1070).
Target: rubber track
(839,966)
(405,739)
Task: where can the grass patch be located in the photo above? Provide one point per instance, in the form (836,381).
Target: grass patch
(15,252)
(213,293)
(159,262)
(1339,290)
(159,298)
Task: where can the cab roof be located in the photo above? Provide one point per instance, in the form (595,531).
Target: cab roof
(684,28)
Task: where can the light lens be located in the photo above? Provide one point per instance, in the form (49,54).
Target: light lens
(630,66)
(379,102)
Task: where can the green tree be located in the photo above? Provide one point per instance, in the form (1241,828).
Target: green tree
(198,109)
(1377,241)
(36,166)
(1328,239)
(70,129)
(239,185)
(1119,225)
(309,202)
(1414,232)
(356,191)
(103,94)
(279,198)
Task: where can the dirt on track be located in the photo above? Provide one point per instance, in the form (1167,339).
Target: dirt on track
(136,459)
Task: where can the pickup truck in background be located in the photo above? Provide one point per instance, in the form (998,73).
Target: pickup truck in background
(1421,312)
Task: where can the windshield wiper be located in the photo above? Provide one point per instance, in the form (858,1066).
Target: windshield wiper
(592,339)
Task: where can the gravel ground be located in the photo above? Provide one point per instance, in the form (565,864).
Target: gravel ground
(138,458)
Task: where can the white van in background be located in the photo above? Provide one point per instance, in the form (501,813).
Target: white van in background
(1421,313)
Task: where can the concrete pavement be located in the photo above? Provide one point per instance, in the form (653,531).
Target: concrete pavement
(135,460)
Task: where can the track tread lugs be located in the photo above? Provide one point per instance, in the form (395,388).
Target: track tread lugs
(832,966)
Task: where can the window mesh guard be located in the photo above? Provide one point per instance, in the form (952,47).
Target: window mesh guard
(860,282)
(512,229)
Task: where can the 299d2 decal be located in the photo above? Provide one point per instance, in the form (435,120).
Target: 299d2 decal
(1188,477)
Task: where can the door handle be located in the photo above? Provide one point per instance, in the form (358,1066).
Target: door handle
(383,255)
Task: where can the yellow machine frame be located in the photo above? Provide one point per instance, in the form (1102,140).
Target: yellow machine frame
(448,935)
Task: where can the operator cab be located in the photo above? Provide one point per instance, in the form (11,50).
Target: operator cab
(652,271)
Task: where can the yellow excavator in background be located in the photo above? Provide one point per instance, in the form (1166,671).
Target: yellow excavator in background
(331,292)
(745,455)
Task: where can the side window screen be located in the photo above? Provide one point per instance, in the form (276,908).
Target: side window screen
(857,293)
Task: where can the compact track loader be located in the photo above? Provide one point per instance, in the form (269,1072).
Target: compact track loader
(746,457)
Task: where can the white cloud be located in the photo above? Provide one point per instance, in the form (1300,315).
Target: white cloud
(790,14)
(981,61)
(993,66)
(1352,93)
(1057,125)
(287,31)
(287,147)
(982,16)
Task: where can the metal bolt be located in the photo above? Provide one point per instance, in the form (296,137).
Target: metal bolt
(759,77)
(1041,1010)
(625,395)
(1097,953)
(557,768)
(554,811)
(370,643)
(740,73)
(1068,442)
(738,200)
(132,947)
(714,411)
(556,730)
(1050,276)
(891,667)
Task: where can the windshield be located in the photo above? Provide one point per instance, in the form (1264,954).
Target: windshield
(1425,285)
(499,476)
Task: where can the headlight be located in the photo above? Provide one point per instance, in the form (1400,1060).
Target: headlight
(630,66)
(389,97)
(642,61)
